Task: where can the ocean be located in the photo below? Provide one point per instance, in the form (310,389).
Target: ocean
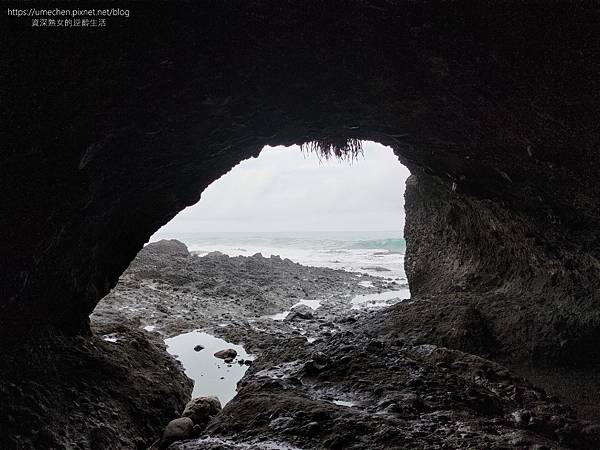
(378,253)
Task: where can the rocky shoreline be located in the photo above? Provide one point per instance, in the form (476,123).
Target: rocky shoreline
(171,291)
(332,377)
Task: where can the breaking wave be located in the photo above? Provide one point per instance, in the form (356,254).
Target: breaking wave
(392,245)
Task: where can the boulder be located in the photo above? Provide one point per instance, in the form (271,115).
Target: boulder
(176,430)
(201,409)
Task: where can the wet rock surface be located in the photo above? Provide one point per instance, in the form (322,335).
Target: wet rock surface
(343,394)
(344,378)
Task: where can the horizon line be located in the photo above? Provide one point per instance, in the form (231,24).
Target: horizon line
(277,231)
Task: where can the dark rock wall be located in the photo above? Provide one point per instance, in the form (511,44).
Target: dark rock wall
(108,133)
(533,285)
(460,242)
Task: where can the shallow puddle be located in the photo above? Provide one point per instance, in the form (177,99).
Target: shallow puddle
(211,375)
(344,403)
(113,337)
(279,316)
(381,299)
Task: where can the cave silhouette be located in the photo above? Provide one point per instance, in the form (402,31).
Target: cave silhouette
(492,107)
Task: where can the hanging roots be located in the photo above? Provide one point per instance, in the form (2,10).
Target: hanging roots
(344,149)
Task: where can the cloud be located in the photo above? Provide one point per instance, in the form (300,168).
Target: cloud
(285,189)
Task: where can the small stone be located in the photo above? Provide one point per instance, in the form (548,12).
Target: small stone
(228,353)
(198,348)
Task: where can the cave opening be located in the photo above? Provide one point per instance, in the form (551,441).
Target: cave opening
(293,242)
(302,202)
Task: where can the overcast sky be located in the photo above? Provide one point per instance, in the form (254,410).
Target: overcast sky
(285,189)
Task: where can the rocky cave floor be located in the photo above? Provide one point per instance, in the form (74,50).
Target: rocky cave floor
(334,377)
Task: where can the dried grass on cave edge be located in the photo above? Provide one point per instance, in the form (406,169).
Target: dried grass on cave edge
(346,149)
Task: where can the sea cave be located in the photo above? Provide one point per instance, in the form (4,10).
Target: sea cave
(109,132)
